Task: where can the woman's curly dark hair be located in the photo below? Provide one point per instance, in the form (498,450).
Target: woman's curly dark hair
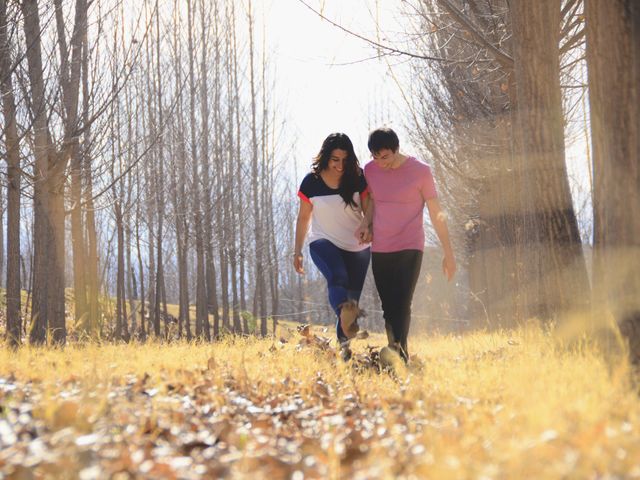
(350,177)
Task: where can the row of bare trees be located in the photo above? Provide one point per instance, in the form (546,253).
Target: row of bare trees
(492,114)
(149,132)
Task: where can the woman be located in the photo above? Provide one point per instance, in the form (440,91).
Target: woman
(331,200)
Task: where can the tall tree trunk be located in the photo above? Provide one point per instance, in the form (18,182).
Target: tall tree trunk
(119,333)
(77,238)
(555,261)
(93,285)
(210,269)
(268,174)
(151,184)
(41,219)
(259,310)
(56,276)
(238,176)
(159,180)
(202,317)
(71,81)
(613,58)
(143,328)
(131,276)
(14,319)
(128,179)
(178,180)
(231,203)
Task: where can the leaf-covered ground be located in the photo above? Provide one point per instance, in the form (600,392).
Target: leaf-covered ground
(485,406)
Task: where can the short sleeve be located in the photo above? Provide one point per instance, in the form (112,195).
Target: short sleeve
(365,171)
(363,188)
(428,185)
(305,190)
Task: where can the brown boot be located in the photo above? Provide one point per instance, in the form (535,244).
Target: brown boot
(349,313)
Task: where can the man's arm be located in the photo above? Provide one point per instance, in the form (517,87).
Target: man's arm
(439,222)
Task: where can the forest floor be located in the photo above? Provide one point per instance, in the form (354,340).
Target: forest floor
(482,405)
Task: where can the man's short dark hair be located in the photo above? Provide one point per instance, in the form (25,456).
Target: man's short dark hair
(383,138)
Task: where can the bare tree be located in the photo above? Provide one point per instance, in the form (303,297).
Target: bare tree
(259,299)
(12,144)
(42,229)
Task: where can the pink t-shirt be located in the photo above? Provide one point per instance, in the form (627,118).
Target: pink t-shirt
(399,197)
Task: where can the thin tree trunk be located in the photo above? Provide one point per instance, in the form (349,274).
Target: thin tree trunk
(202,317)
(231,207)
(120,327)
(93,286)
(178,180)
(41,226)
(207,213)
(259,310)
(131,279)
(239,177)
(12,145)
(143,329)
(150,181)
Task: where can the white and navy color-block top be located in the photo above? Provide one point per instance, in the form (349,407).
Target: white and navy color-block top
(331,218)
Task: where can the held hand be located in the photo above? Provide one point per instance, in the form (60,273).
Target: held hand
(449,266)
(364,234)
(297,264)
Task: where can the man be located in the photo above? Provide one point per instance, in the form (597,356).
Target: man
(399,187)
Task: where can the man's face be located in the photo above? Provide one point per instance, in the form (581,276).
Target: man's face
(384,158)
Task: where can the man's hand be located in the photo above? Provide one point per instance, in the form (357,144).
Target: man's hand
(449,266)
(363,233)
(297,263)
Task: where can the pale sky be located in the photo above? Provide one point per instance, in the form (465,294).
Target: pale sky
(324,84)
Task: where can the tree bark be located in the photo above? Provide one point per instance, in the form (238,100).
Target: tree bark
(613,58)
(554,261)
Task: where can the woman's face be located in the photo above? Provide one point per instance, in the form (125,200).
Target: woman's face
(337,161)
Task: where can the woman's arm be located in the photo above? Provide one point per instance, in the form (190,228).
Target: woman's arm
(302,227)
(364,231)
(439,222)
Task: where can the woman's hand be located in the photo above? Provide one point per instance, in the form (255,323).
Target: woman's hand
(363,233)
(297,263)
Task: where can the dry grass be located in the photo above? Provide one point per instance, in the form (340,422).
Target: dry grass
(500,405)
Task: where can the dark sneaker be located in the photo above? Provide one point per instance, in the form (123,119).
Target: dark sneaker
(349,313)
(391,360)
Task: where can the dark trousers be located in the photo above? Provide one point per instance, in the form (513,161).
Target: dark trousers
(344,271)
(396,275)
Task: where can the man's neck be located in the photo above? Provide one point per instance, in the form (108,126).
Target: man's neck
(398,160)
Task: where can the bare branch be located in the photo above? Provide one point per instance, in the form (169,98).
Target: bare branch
(373,42)
(501,57)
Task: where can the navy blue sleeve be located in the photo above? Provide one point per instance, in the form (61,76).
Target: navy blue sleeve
(305,192)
